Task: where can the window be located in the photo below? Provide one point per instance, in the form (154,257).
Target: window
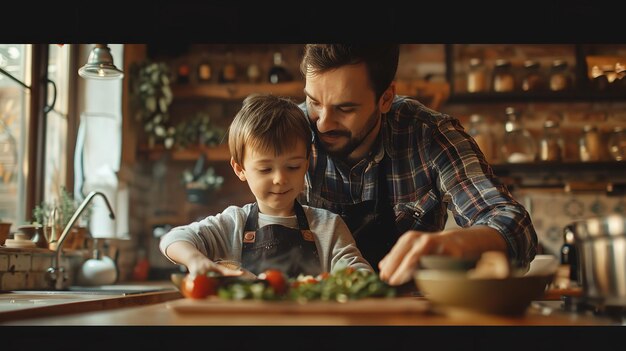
(14,120)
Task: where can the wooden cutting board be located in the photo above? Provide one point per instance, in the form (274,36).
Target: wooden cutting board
(402,305)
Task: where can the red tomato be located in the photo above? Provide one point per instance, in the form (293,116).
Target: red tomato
(276,279)
(198,287)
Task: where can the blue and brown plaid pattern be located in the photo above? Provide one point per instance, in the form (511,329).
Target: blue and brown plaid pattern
(432,164)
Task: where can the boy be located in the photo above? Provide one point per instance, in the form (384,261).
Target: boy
(270,143)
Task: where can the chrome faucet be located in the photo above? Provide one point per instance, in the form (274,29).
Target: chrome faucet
(56,275)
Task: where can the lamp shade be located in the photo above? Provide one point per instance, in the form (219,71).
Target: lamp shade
(100,65)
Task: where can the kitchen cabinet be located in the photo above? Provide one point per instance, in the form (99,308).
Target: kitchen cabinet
(579,58)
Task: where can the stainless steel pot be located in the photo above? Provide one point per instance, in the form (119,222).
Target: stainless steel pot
(601,246)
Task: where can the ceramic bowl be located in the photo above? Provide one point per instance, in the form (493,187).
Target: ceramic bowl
(440,262)
(453,290)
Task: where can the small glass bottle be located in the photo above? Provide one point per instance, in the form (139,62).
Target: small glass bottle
(278,73)
(589,144)
(204,71)
(560,78)
(182,73)
(518,145)
(254,73)
(503,79)
(476,76)
(533,81)
(228,74)
(617,144)
(569,256)
(482,135)
(551,145)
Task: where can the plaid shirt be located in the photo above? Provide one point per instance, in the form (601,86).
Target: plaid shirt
(431,164)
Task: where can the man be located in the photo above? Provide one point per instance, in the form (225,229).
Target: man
(390,167)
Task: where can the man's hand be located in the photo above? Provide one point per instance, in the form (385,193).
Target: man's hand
(397,267)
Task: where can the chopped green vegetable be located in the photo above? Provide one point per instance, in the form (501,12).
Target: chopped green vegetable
(343,285)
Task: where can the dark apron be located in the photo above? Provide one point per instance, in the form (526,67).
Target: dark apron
(372,222)
(275,246)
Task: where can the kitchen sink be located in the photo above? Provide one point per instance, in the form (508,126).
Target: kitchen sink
(97,290)
(20,304)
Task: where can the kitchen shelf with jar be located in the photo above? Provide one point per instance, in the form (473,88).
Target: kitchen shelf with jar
(430,93)
(577,73)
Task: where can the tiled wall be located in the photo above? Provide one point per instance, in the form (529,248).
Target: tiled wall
(551,212)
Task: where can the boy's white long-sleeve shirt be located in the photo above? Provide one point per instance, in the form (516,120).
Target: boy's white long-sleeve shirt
(221,237)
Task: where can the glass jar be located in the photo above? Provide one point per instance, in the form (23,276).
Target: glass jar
(599,79)
(560,78)
(204,71)
(254,73)
(617,144)
(589,144)
(551,145)
(620,76)
(228,74)
(503,79)
(482,135)
(518,145)
(533,80)
(476,76)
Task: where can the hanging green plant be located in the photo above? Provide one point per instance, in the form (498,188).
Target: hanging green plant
(200,130)
(151,97)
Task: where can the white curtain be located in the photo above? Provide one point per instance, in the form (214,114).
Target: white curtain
(98,153)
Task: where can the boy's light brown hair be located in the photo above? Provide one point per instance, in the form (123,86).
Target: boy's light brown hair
(268,123)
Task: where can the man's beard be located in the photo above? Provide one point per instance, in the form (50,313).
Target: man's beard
(353,143)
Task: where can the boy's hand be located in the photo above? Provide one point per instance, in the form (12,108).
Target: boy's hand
(200,264)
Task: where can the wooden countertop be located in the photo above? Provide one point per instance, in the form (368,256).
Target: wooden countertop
(166,314)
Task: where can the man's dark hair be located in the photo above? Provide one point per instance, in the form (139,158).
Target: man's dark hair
(381,61)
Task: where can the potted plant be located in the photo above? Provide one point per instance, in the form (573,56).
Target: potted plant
(65,209)
(200,182)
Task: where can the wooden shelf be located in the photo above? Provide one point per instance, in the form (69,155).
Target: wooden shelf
(236,91)
(604,176)
(545,96)
(436,91)
(601,167)
(212,153)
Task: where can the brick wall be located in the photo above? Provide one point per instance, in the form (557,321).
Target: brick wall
(22,269)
